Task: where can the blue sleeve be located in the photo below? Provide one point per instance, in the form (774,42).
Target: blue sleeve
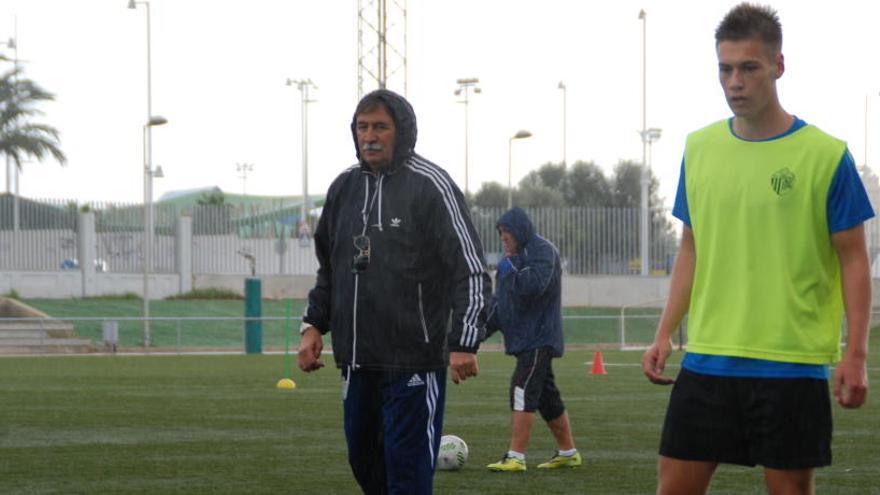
(680,208)
(493,322)
(848,203)
(535,271)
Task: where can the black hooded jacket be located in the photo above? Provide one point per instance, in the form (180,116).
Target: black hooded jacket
(425,290)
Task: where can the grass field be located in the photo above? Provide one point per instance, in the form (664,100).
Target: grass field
(593,325)
(217,424)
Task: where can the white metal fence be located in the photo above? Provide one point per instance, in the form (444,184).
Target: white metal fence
(626,330)
(591,241)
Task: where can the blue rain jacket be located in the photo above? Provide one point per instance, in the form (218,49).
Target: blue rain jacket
(527,305)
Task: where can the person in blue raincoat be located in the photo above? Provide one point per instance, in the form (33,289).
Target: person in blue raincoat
(528,310)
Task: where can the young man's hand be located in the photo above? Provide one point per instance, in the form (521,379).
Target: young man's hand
(851,381)
(654,362)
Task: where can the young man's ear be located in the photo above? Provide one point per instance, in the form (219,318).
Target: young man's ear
(780,65)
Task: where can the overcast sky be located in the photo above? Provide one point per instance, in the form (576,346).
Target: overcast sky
(219,70)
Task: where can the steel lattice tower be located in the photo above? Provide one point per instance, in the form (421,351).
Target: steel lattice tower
(382,45)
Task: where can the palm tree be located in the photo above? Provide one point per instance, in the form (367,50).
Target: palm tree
(19,137)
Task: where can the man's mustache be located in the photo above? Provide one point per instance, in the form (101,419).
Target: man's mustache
(372,147)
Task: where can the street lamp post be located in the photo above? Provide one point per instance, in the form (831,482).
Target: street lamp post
(149,173)
(464,85)
(644,234)
(519,135)
(303,86)
(152,120)
(650,136)
(243,169)
(866,130)
(561,86)
(12,173)
(12,45)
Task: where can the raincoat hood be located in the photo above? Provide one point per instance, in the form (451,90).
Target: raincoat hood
(518,224)
(404,124)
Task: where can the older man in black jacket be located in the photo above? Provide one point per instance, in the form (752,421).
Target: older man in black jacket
(402,287)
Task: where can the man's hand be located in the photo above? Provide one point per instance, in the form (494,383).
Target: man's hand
(310,346)
(462,365)
(654,361)
(851,381)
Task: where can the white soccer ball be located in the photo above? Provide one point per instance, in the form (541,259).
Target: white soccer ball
(453,453)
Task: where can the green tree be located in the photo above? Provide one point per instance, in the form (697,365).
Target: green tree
(211,198)
(538,196)
(586,185)
(491,195)
(552,175)
(20,137)
(542,188)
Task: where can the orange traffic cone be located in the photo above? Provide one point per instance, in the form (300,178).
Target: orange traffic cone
(598,365)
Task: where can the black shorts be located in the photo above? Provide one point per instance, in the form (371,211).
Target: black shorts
(779,423)
(533,387)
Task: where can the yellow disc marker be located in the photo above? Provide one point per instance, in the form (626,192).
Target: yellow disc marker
(286,383)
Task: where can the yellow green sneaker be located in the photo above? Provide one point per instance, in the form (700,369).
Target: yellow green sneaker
(561,461)
(507,464)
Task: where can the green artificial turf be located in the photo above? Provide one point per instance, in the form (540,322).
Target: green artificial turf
(217,424)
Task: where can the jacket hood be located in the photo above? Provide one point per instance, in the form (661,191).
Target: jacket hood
(404,124)
(517,223)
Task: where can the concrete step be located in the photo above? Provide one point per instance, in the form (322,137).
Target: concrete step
(55,329)
(84,348)
(6,333)
(42,341)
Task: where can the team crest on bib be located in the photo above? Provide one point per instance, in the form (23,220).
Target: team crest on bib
(782,181)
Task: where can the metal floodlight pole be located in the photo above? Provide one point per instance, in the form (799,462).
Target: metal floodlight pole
(645,233)
(866,129)
(519,135)
(148,176)
(464,86)
(12,172)
(243,169)
(865,163)
(303,86)
(148,218)
(12,45)
(564,89)
(652,135)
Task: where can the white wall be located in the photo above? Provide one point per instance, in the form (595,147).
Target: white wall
(576,291)
(68,284)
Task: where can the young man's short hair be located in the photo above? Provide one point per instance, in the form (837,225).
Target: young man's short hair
(751,21)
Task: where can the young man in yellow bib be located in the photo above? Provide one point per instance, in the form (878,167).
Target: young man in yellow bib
(772,254)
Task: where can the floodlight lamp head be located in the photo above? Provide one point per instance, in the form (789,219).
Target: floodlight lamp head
(642,14)
(561,85)
(131,4)
(158,173)
(522,134)
(478,90)
(457,91)
(11,43)
(157,120)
